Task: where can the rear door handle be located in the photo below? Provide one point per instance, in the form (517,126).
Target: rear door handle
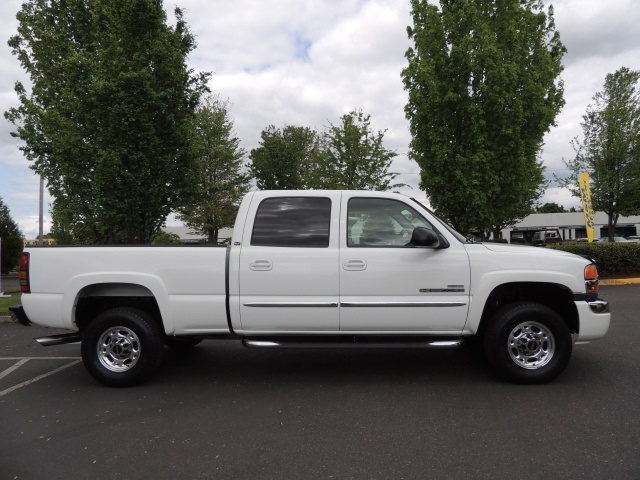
(354,265)
(261,265)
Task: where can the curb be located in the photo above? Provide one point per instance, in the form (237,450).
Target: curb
(619,281)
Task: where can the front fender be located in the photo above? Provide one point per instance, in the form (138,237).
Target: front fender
(483,285)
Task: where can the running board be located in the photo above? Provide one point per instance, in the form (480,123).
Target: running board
(59,339)
(350,342)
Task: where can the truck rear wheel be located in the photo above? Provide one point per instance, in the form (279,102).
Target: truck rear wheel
(528,343)
(122,347)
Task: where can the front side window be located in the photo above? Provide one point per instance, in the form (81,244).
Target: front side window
(292,222)
(379,222)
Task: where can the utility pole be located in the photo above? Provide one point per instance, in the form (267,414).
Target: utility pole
(40,205)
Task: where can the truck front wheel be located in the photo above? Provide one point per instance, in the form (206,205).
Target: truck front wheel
(528,343)
(122,347)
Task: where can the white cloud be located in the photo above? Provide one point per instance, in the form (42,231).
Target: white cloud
(306,62)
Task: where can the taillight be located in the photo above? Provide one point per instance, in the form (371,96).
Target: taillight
(591,278)
(24,273)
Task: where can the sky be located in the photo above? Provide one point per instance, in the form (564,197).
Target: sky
(308,62)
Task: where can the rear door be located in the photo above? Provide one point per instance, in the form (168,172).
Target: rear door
(288,271)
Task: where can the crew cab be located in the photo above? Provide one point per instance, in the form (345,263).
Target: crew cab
(309,269)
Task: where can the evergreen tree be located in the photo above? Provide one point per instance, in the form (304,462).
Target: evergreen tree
(12,240)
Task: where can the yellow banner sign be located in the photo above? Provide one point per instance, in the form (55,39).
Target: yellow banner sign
(585,194)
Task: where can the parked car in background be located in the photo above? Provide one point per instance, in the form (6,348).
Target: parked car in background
(546,236)
(633,238)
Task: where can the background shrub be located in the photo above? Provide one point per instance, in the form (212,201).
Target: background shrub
(611,258)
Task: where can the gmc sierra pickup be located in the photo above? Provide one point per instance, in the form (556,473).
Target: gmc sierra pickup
(317,269)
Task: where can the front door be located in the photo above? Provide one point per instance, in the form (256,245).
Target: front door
(387,285)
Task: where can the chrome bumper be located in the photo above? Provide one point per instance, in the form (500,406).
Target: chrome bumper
(599,306)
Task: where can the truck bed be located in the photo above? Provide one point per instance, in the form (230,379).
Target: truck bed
(188,283)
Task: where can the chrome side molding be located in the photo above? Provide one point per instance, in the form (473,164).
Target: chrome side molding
(402,304)
(292,304)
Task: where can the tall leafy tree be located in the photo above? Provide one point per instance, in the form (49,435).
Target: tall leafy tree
(354,157)
(482,79)
(219,180)
(62,232)
(12,242)
(283,159)
(550,207)
(106,120)
(610,148)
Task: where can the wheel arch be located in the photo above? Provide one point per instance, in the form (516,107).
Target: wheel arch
(93,299)
(557,297)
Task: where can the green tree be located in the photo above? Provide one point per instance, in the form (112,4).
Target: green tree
(106,119)
(12,241)
(61,231)
(283,159)
(219,181)
(353,157)
(483,86)
(550,207)
(167,238)
(610,149)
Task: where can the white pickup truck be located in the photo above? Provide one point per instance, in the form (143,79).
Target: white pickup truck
(317,269)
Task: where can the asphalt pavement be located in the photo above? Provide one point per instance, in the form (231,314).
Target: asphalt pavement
(223,411)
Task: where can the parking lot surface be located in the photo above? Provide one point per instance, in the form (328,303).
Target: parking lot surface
(223,411)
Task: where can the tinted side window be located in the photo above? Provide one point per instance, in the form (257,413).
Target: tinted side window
(292,222)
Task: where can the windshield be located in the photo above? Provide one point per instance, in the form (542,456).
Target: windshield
(449,228)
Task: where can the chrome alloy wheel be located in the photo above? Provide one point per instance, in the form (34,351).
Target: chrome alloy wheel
(531,345)
(118,349)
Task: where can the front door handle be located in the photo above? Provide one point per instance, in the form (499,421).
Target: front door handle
(352,265)
(261,265)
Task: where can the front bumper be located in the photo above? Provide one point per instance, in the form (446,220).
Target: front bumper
(594,317)
(599,306)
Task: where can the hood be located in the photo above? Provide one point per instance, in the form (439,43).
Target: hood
(506,248)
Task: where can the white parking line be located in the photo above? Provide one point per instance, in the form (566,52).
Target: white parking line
(39,358)
(23,360)
(14,367)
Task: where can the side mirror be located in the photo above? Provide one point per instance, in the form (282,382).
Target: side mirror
(423,237)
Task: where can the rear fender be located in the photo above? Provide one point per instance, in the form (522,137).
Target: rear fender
(117,285)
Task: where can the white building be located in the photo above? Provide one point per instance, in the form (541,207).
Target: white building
(571,226)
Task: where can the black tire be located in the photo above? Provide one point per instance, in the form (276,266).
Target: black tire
(528,343)
(181,344)
(122,347)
